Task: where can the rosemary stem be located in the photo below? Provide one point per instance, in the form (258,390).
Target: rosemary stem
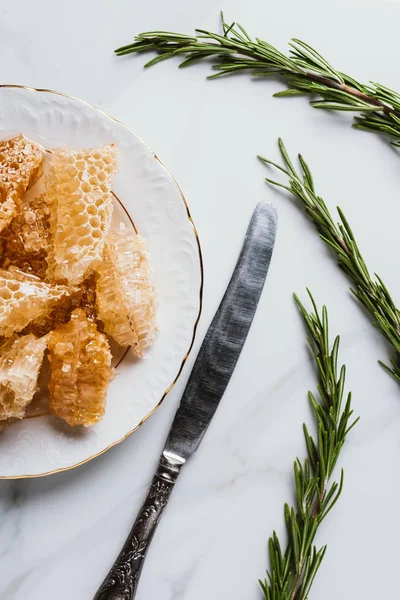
(292,571)
(372,293)
(305,70)
(331,83)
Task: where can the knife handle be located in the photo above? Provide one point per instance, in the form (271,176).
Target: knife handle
(122,580)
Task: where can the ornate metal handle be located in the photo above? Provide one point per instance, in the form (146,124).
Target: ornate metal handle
(122,580)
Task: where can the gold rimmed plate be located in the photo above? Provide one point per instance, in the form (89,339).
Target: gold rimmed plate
(148,198)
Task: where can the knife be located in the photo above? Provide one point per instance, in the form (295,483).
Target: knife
(211,373)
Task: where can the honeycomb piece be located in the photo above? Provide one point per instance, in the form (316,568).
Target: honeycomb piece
(20,163)
(125,297)
(24,297)
(80,370)
(20,166)
(25,240)
(20,362)
(8,206)
(84,297)
(80,202)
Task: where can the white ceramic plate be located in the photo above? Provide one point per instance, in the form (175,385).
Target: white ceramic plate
(42,445)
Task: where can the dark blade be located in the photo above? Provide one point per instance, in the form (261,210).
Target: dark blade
(225,337)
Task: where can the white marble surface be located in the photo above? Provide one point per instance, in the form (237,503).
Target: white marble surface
(58,535)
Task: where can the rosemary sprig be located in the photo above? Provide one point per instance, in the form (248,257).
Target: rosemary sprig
(373,294)
(292,572)
(305,70)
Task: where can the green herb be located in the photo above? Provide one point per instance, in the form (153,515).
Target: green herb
(372,293)
(305,70)
(292,572)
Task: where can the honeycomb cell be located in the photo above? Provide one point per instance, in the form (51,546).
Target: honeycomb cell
(125,297)
(80,371)
(20,166)
(84,297)
(74,197)
(20,362)
(25,240)
(24,297)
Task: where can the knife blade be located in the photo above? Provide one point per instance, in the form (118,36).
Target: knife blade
(208,380)
(225,337)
